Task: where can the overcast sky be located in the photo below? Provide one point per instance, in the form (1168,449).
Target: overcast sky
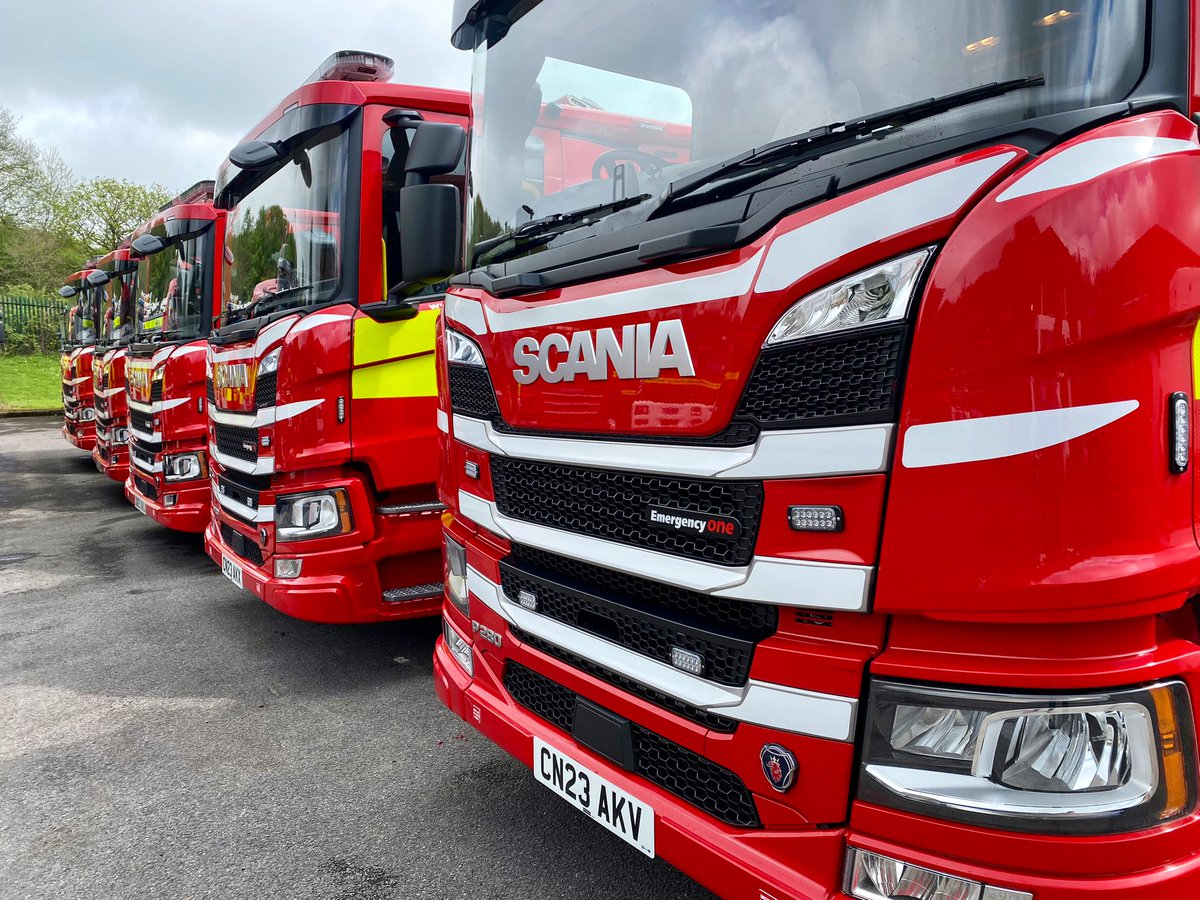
(161,90)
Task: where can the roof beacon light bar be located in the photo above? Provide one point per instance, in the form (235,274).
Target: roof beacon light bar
(354,65)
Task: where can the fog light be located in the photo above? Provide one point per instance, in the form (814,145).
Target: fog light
(456,576)
(288,568)
(687,660)
(815,518)
(170,500)
(459,648)
(528,599)
(875,877)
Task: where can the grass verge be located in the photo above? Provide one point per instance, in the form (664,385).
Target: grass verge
(30,382)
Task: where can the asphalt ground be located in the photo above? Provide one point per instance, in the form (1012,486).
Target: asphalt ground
(163,734)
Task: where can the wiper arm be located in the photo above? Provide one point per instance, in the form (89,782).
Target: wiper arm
(268,300)
(555,224)
(800,148)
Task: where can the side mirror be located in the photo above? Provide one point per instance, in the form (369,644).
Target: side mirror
(430,230)
(436,149)
(97,277)
(254,155)
(67,292)
(148,244)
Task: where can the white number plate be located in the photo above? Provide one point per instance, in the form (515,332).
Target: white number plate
(627,818)
(231,570)
(139,504)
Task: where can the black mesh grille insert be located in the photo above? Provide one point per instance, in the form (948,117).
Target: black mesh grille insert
(243,546)
(847,378)
(644,628)
(687,775)
(140,454)
(236,492)
(145,488)
(471,392)
(143,422)
(616,506)
(240,443)
(617,680)
(155,391)
(208,390)
(264,391)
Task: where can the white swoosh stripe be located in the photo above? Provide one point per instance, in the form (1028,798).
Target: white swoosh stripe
(995,437)
(676,292)
(263,417)
(799,252)
(465,312)
(1089,160)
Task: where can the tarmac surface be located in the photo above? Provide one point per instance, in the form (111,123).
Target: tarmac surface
(163,734)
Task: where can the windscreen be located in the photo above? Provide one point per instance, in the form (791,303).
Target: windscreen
(284,240)
(90,301)
(579,110)
(117,312)
(173,283)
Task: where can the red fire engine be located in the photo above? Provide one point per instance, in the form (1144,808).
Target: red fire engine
(179,253)
(323,387)
(79,415)
(116,273)
(822,517)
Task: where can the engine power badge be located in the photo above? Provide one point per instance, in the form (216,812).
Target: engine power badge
(702,524)
(779,765)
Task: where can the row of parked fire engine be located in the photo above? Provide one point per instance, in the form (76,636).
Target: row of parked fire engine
(809,504)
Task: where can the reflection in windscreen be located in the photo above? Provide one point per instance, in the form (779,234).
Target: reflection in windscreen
(663,88)
(171,289)
(283,241)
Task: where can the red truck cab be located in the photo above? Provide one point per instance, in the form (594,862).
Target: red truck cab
(117,274)
(322,387)
(79,414)
(822,507)
(179,253)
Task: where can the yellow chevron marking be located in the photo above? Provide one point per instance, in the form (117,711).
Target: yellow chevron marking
(412,377)
(378,341)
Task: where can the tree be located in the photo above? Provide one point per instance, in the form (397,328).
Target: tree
(102,212)
(18,162)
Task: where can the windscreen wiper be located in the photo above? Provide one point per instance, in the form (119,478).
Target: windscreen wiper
(268,300)
(791,151)
(549,227)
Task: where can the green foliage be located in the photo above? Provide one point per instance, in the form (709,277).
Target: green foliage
(102,212)
(30,382)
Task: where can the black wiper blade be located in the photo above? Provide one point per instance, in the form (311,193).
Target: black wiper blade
(791,151)
(556,224)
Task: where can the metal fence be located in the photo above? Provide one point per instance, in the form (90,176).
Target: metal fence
(25,313)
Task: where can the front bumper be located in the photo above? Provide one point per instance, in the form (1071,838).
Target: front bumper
(112,460)
(81,435)
(783,863)
(191,512)
(336,586)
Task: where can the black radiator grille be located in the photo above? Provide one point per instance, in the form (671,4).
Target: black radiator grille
(140,454)
(849,378)
(143,422)
(145,488)
(687,775)
(471,392)
(264,390)
(208,390)
(243,546)
(617,680)
(644,628)
(240,443)
(155,391)
(616,506)
(239,493)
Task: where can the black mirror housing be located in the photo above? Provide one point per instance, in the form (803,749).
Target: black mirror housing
(97,277)
(67,292)
(430,230)
(253,155)
(148,244)
(436,149)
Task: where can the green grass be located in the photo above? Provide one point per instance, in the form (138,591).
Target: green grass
(30,382)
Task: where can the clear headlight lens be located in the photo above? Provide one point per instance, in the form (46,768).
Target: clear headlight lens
(184,467)
(456,576)
(270,362)
(460,648)
(881,293)
(1089,763)
(299,517)
(463,350)
(120,436)
(87,414)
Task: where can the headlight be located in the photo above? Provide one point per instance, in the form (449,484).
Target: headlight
(270,362)
(120,436)
(456,576)
(158,374)
(1064,764)
(302,516)
(460,647)
(879,294)
(184,467)
(87,414)
(462,350)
